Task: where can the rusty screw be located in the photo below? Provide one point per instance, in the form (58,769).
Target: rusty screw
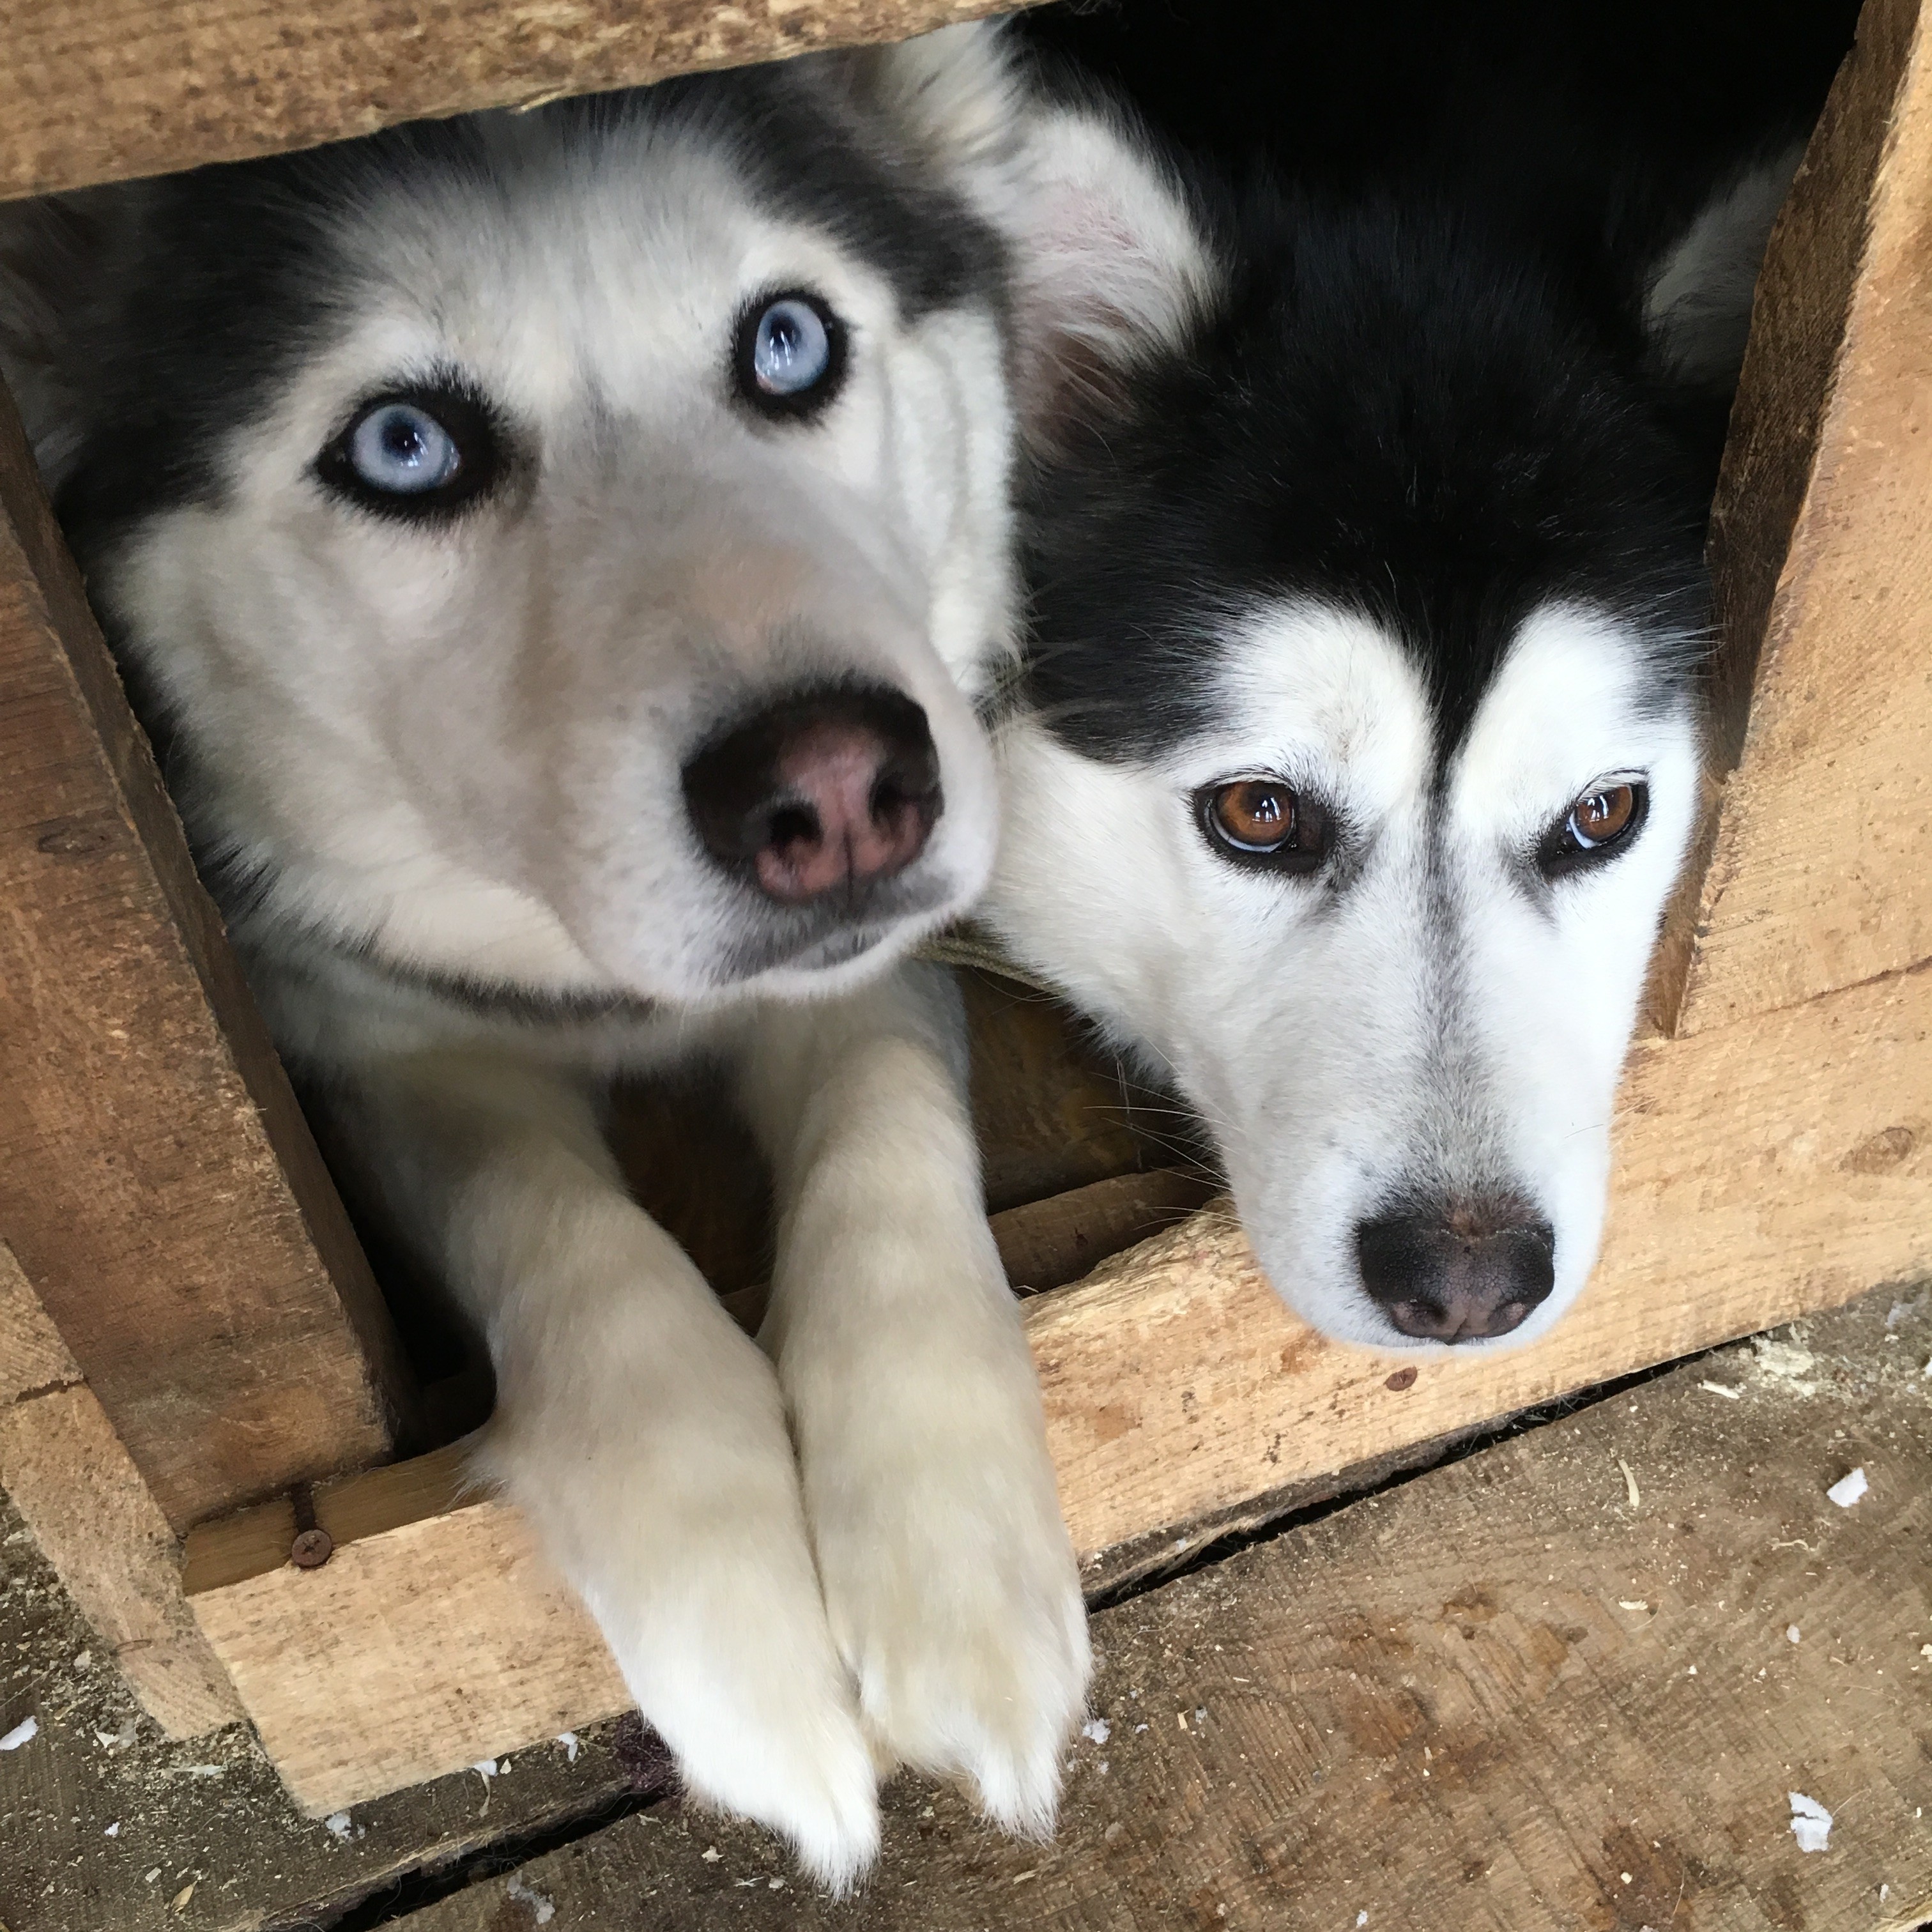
(311,1549)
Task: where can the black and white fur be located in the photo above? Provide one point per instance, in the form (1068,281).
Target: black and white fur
(433,770)
(1374,463)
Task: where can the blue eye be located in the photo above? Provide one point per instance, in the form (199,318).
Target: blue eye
(420,453)
(790,353)
(402,451)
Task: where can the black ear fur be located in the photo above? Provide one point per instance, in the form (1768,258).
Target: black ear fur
(52,256)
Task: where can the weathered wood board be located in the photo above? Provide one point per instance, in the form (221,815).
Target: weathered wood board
(1551,1688)
(89,1511)
(1821,551)
(104,1822)
(103,90)
(1181,1398)
(157,1183)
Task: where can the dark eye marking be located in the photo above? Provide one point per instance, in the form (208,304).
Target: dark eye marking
(417,455)
(1263,824)
(789,357)
(1599,824)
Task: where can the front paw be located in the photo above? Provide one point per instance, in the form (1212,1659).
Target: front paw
(950,1581)
(681,1525)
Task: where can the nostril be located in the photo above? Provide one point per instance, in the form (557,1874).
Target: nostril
(1460,1273)
(792,825)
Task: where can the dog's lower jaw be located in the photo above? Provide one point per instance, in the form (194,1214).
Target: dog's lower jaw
(950,1580)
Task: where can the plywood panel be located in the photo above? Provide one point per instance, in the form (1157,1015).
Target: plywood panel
(102,90)
(157,1183)
(1182,1398)
(1822,547)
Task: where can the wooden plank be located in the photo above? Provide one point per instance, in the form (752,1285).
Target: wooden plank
(93,1517)
(1047,1244)
(104,90)
(430,1645)
(1505,1697)
(211,1811)
(157,1183)
(1761,1172)
(1053,1110)
(1183,1399)
(33,1357)
(1822,548)
(91,1514)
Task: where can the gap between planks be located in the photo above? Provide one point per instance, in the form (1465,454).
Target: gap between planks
(1177,1389)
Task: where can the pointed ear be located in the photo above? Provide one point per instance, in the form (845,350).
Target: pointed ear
(50,256)
(1111,265)
(1697,309)
(953,95)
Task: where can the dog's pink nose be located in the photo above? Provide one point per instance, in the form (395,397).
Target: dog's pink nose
(825,791)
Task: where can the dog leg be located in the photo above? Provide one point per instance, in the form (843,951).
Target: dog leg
(641,1432)
(948,1577)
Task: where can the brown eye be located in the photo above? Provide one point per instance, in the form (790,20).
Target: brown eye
(1598,823)
(1262,822)
(1603,815)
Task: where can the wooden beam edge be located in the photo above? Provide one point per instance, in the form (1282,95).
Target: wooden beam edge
(132,782)
(92,93)
(1811,267)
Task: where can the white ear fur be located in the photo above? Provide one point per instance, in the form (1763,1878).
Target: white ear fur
(1697,309)
(1111,265)
(953,93)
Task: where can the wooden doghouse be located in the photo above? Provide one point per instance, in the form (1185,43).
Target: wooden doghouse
(192,1349)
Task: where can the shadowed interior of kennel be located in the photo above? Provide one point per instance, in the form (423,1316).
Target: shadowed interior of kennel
(167,1209)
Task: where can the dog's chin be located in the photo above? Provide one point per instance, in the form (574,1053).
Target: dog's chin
(827,965)
(835,963)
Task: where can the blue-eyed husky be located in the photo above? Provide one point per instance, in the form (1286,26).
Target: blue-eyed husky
(559,555)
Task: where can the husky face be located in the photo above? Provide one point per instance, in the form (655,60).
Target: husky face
(1359,748)
(1420,1020)
(496,472)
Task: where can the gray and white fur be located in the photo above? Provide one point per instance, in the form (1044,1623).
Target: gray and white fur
(437,763)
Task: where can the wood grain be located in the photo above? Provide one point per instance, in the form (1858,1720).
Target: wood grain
(1821,551)
(1502,1698)
(94,1519)
(409,1654)
(1045,1244)
(73,1484)
(157,1183)
(1182,1398)
(33,1357)
(104,90)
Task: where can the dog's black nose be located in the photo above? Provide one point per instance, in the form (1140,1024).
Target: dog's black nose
(823,790)
(1460,1273)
